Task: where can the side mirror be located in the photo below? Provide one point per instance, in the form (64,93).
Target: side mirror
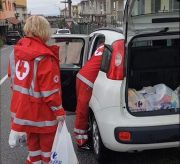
(106,58)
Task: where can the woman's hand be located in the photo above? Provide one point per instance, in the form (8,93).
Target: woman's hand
(61,118)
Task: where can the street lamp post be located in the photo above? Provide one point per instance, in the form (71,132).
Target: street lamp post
(69,4)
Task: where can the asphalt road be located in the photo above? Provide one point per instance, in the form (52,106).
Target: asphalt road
(18,155)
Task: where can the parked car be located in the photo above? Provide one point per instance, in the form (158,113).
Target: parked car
(63,31)
(12,37)
(148,55)
(141,55)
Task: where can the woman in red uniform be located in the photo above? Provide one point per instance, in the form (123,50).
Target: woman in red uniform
(36,105)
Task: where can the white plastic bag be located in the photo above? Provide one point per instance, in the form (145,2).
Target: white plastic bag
(62,149)
(162,97)
(17,139)
(136,101)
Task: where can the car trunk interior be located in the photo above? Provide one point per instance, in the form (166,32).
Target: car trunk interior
(152,62)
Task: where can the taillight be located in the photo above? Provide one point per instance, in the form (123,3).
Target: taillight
(116,69)
(124,136)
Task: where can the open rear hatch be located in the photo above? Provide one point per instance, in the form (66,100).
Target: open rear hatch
(153,59)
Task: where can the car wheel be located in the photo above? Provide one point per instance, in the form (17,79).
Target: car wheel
(98,147)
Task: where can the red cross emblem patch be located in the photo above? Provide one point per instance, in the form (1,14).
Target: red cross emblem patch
(22,69)
(99,51)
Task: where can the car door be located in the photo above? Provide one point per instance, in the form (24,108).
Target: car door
(74,52)
(94,43)
(72,55)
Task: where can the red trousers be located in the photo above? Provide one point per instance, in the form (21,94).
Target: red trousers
(39,147)
(84,93)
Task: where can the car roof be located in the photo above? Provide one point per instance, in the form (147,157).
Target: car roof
(117,29)
(111,34)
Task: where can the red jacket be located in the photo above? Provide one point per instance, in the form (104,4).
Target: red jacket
(35,77)
(90,70)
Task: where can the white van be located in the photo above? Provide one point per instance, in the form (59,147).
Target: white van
(140,68)
(148,56)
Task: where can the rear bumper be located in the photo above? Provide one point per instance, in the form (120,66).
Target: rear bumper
(112,118)
(150,135)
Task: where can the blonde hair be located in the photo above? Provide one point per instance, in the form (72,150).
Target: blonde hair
(37,26)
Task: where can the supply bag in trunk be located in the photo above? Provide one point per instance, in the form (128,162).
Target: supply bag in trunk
(153,74)
(158,97)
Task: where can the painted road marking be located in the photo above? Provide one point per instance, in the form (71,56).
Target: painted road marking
(3,79)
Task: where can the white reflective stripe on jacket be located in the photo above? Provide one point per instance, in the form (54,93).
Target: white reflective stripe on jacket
(12,66)
(46,154)
(34,153)
(86,81)
(32,123)
(39,152)
(80,131)
(31,92)
(80,137)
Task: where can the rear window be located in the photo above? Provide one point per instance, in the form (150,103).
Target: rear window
(63,31)
(143,7)
(157,43)
(71,50)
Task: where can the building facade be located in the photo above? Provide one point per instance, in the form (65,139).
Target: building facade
(74,14)
(101,12)
(64,13)
(21,10)
(110,12)
(114,11)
